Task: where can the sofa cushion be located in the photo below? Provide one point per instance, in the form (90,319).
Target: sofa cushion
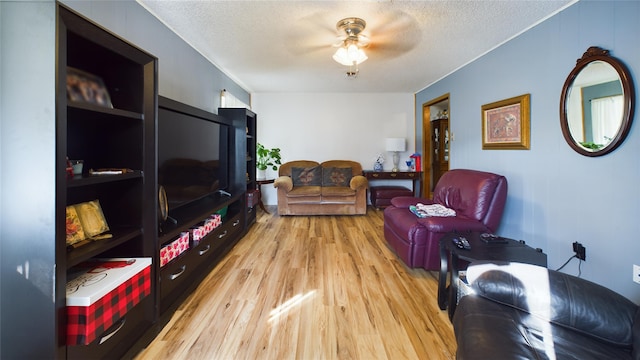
(336,176)
(559,298)
(309,176)
(304,191)
(337,191)
(338,195)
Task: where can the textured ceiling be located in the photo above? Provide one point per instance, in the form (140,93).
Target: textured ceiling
(286,46)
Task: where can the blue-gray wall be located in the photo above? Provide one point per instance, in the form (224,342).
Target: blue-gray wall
(28,147)
(27,179)
(183,73)
(556,196)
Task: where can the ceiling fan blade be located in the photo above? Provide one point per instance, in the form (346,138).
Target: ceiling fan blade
(396,36)
(311,34)
(389,50)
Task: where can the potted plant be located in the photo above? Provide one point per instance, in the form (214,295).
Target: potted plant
(267,158)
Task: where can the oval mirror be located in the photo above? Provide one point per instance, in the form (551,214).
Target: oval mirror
(596,105)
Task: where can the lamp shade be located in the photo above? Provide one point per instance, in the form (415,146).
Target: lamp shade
(396,144)
(350,55)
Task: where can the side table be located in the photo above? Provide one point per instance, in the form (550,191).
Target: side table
(450,256)
(259,183)
(415,176)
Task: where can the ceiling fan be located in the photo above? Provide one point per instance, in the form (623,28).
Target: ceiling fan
(350,44)
(389,34)
(352,28)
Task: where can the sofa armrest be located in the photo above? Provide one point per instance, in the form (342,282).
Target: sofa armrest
(559,298)
(359,182)
(283,182)
(406,201)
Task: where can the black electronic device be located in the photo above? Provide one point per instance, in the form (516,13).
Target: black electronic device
(461,242)
(492,238)
(193,153)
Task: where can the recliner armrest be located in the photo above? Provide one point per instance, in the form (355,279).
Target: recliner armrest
(406,201)
(283,182)
(562,299)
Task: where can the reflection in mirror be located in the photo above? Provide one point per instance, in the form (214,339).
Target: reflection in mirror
(596,105)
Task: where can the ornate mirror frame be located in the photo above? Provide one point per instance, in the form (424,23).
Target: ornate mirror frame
(596,54)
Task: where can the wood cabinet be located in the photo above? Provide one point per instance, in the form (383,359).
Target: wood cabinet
(439,148)
(106,119)
(244,147)
(180,276)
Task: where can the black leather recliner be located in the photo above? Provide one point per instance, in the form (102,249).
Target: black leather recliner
(521,311)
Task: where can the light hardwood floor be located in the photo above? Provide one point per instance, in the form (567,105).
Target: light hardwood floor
(310,287)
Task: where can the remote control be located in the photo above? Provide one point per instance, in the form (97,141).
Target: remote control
(461,242)
(492,238)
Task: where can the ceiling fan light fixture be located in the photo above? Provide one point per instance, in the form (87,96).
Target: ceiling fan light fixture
(350,55)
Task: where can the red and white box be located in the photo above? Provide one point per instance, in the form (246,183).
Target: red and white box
(174,248)
(213,222)
(197,233)
(208,226)
(100,292)
(216,220)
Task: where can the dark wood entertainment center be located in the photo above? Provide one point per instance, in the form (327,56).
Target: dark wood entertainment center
(244,123)
(182,275)
(119,134)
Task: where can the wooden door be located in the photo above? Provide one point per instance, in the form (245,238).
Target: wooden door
(436,154)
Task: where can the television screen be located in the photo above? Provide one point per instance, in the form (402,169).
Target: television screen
(192,154)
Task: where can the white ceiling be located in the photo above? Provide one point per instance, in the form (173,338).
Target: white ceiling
(286,46)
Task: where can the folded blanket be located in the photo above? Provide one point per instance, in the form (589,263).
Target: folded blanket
(422,210)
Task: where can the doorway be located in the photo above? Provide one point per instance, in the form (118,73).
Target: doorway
(436,119)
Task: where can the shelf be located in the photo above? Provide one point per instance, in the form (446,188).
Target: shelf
(85,180)
(244,150)
(86,252)
(121,136)
(193,214)
(104,110)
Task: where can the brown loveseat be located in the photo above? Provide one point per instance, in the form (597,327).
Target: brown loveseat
(334,187)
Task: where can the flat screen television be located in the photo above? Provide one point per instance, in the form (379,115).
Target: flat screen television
(192,153)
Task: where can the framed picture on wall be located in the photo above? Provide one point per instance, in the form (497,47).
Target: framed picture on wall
(505,124)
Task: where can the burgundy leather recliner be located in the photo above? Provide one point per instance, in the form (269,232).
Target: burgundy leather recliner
(478,199)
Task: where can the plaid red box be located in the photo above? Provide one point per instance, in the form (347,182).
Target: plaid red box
(102,294)
(174,248)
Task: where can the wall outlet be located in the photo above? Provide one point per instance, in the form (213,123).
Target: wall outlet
(636,273)
(580,250)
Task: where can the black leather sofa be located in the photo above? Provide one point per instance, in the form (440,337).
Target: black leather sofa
(521,311)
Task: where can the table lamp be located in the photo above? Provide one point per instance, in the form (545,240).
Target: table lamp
(396,146)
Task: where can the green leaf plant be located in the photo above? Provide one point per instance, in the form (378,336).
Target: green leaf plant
(267,158)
